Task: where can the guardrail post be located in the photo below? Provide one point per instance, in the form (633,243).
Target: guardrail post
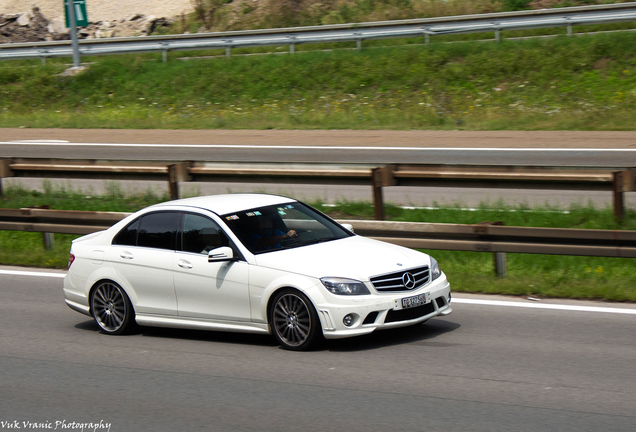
(5,171)
(164,52)
(501,261)
(227,52)
(381,177)
(629,180)
(177,173)
(619,202)
(378,198)
(497,35)
(358,41)
(47,238)
(427,35)
(49,241)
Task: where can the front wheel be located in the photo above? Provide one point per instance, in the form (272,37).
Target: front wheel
(111,308)
(294,321)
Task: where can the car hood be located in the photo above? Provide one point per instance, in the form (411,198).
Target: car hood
(353,257)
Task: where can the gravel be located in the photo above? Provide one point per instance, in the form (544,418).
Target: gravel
(102,10)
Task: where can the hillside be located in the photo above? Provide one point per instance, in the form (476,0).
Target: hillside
(579,83)
(102,10)
(110,18)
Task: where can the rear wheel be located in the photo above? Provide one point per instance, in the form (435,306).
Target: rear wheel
(294,321)
(111,308)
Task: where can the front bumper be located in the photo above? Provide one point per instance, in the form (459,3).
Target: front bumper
(381,311)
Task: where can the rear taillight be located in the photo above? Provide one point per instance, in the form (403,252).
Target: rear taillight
(71,258)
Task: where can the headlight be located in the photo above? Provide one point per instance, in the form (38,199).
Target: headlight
(342,286)
(435,271)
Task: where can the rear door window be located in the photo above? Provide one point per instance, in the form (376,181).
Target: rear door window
(159,230)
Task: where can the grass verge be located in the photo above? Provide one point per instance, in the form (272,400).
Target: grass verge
(582,83)
(610,279)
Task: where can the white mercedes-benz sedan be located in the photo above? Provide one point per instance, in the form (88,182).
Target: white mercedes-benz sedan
(250,263)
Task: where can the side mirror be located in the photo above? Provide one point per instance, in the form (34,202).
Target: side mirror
(348,226)
(221,254)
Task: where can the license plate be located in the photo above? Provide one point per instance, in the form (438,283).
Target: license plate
(415,301)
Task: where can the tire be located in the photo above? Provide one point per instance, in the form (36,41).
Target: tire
(111,308)
(294,321)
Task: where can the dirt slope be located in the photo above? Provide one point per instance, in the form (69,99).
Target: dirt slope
(102,10)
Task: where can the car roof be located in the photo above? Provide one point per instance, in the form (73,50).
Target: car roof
(229,203)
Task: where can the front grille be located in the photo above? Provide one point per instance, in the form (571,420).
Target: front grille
(395,281)
(409,314)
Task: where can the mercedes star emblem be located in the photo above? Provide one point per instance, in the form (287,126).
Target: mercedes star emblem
(408,280)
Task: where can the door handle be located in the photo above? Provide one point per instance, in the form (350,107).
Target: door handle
(126,255)
(184,264)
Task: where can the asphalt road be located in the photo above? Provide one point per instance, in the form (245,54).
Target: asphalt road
(607,149)
(483,368)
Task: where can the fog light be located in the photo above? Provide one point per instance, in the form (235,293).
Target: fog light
(348,320)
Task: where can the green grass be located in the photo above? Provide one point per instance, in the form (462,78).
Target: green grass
(544,276)
(611,279)
(582,83)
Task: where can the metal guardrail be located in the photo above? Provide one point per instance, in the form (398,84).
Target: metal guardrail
(617,180)
(489,237)
(57,221)
(483,237)
(496,23)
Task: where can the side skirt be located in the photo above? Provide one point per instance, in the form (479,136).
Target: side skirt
(197,324)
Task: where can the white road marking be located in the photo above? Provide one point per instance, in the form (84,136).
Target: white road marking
(29,273)
(544,306)
(297,147)
(44,141)
(455,298)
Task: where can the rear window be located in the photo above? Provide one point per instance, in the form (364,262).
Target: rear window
(128,236)
(154,230)
(158,230)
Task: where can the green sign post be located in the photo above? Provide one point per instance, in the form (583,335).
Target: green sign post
(81,17)
(75,12)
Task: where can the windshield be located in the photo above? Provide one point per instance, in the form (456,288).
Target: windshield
(282,226)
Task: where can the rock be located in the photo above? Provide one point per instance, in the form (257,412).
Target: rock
(23,20)
(73,71)
(134,17)
(32,26)
(57,26)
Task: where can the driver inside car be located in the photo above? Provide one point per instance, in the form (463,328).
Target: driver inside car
(268,236)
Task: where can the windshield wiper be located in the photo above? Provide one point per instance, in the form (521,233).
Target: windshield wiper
(315,241)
